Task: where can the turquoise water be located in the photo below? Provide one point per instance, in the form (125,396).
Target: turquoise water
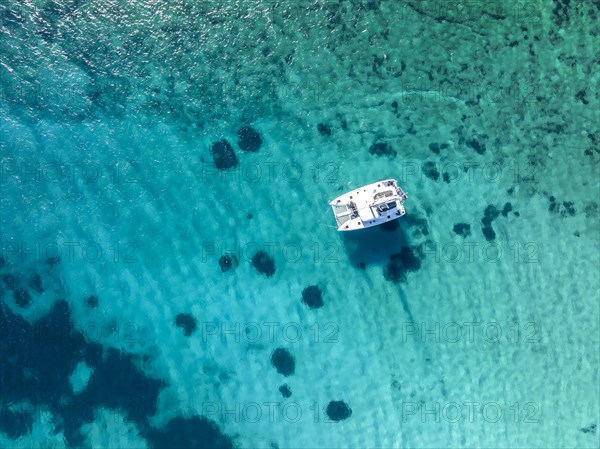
(151,299)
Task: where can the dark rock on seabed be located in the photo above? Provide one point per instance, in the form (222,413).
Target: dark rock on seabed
(249,139)
(382,149)
(283,361)
(187,322)
(313,297)
(338,411)
(223,155)
(263,263)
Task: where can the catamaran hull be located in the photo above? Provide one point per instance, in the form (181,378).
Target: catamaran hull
(368,206)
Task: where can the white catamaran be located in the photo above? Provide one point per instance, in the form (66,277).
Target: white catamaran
(370,205)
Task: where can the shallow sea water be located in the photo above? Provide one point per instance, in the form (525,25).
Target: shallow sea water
(132,313)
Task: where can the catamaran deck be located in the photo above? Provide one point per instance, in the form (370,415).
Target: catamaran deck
(370,205)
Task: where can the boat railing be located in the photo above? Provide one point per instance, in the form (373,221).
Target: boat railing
(401,193)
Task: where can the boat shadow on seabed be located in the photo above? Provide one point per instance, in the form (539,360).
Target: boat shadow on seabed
(385,245)
(375,245)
